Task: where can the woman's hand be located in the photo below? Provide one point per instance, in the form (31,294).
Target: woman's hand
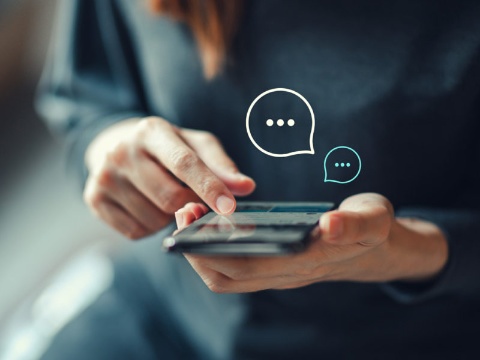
(137,167)
(361,241)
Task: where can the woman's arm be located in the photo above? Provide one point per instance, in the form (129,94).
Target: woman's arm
(134,167)
(91,80)
(461,229)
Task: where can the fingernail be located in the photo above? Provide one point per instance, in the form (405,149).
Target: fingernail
(332,225)
(180,219)
(225,204)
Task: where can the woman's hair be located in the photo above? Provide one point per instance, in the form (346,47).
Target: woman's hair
(213,23)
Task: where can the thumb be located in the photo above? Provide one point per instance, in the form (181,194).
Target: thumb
(212,153)
(365,219)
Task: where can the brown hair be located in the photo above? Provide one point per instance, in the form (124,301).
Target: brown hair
(213,23)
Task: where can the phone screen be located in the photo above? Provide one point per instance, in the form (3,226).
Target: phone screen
(253,228)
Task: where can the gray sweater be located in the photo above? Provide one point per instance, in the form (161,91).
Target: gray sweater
(398,81)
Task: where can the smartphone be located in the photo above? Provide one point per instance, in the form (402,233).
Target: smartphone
(255,228)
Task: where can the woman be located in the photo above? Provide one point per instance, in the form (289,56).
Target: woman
(154,97)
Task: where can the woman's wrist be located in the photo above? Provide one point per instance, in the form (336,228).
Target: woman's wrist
(417,250)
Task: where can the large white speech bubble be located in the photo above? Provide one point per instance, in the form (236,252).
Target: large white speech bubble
(310,151)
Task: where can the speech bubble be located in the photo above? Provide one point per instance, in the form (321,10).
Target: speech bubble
(275,113)
(342,165)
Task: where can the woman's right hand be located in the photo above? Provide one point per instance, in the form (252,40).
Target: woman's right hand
(137,167)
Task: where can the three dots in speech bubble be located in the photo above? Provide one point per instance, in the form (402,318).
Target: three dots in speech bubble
(280,122)
(344,151)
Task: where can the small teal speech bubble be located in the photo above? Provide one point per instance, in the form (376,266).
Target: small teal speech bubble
(342,165)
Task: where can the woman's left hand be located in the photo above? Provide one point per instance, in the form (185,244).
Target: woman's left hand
(361,241)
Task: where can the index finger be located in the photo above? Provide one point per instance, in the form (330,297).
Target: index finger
(169,149)
(212,153)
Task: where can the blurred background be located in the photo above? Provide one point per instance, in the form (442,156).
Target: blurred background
(51,248)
